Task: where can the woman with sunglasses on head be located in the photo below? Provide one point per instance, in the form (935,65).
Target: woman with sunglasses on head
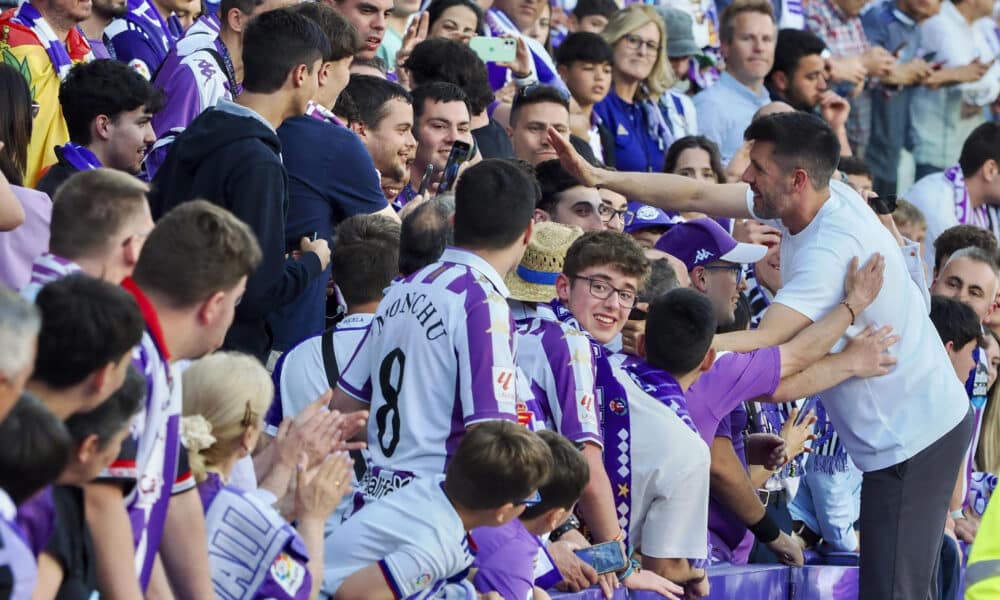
(640,74)
(24,213)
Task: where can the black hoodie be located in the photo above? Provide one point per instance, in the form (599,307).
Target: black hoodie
(234,160)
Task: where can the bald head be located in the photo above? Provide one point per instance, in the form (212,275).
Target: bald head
(773,108)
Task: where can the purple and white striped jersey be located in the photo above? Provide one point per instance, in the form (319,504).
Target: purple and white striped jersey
(142,38)
(149,455)
(17,563)
(557,360)
(47,268)
(438,358)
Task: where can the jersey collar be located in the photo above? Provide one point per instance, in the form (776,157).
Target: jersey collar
(472,260)
(149,315)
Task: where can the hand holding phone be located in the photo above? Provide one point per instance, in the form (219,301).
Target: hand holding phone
(605,558)
(459,154)
(494,49)
(426,181)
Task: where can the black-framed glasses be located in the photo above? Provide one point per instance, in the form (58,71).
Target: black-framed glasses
(608,214)
(602,290)
(737,269)
(531,500)
(635,42)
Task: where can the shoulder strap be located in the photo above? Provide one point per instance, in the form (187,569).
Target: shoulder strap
(330,358)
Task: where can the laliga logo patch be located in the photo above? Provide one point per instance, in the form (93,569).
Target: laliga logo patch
(422,581)
(585,408)
(646,213)
(618,407)
(287,573)
(702,255)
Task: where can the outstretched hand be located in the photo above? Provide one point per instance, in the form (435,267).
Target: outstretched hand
(571,160)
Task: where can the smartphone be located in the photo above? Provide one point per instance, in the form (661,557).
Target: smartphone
(493,49)
(605,558)
(883,206)
(428,173)
(458,155)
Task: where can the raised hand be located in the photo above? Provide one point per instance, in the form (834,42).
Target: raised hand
(862,286)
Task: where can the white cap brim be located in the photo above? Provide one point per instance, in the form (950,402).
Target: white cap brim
(745,253)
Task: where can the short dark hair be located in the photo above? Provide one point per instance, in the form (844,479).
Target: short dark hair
(679,330)
(86,324)
(792,46)
(727,20)
(37,448)
(90,208)
(112,415)
(274,44)
(956,322)
(983,144)
(371,94)
(103,87)
(690,142)
(494,203)
(662,278)
(536,94)
(245,6)
(437,91)
(955,238)
(340,33)
(365,257)
(346,108)
(787,131)
(586,8)
(584,46)
(440,59)
(374,62)
(196,250)
(426,232)
(497,462)
(852,165)
(437,8)
(553,180)
(570,475)
(607,247)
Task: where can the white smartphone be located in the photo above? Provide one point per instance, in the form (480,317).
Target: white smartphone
(492,49)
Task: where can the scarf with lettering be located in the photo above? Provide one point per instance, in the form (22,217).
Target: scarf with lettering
(964,212)
(61,58)
(662,386)
(616,428)
(81,158)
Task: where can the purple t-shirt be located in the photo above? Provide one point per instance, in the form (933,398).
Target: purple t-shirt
(735,377)
(287,578)
(37,519)
(726,531)
(506,560)
(20,247)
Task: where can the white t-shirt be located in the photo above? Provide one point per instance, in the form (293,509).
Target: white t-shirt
(670,479)
(415,536)
(438,358)
(881,420)
(941,201)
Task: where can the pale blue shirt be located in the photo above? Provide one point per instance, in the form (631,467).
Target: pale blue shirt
(725,111)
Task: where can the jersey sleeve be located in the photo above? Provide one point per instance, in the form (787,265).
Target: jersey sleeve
(131,47)
(484,347)
(414,569)
(288,577)
(572,369)
(747,375)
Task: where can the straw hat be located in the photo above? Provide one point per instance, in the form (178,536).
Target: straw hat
(534,280)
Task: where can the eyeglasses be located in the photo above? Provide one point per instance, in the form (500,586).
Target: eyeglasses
(608,214)
(635,42)
(602,290)
(737,269)
(531,500)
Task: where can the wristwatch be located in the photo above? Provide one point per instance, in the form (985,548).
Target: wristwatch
(570,524)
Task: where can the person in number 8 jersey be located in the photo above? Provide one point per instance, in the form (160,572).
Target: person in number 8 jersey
(439,357)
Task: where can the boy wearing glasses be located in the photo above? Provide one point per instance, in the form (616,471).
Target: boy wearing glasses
(415,542)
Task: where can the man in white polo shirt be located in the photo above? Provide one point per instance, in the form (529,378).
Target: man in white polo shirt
(906,430)
(439,356)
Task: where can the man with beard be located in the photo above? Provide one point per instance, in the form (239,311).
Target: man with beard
(799,78)
(101,15)
(40,38)
(386,124)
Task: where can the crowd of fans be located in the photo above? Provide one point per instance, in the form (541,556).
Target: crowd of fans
(256,341)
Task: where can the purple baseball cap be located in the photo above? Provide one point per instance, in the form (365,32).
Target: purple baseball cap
(703,241)
(646,216)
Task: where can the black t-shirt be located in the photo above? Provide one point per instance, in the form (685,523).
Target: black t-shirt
(71,545)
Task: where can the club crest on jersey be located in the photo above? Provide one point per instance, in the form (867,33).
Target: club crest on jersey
(287,573)
(618,406)
(504,384)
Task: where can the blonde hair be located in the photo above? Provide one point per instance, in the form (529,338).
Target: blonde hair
(627,20)
(908,214)
(225,394)
(988,454)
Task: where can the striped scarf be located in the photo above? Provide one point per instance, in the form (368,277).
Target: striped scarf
(28,16)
